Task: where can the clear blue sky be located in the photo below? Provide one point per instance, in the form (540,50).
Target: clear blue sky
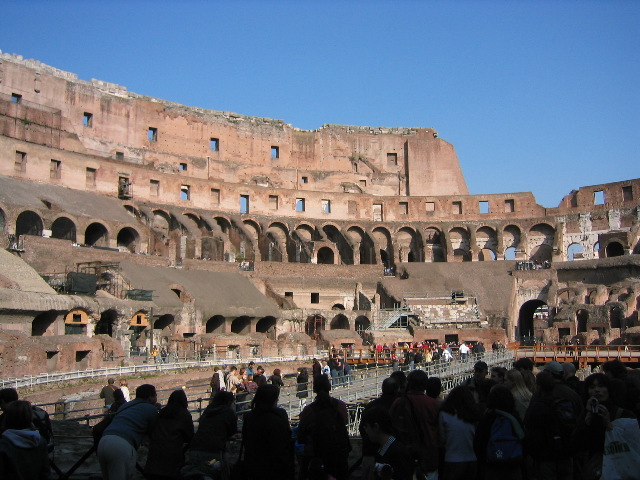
(540,96)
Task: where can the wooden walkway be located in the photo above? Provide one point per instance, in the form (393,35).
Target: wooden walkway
(583,354)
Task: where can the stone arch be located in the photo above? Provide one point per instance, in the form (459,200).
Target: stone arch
(241,325)
(340,321)
(215,324)
(511,235)
(460,244)
(314,325)
(582,317)
(164,323)
(614,249)
(96,235)
(273,246)
(42,323)
(363,244)
(526,328)
(223,223)
(107,323)
(129,238)
(362,323)
(335,236)
(325,256)
(487,243)
(29,223)
(267,325)
(540,242)
(574,251)
(302,243)
(63,228)
(510,253)
(409,245)
(136,213)
(337,306)
(382,238)
(434,249)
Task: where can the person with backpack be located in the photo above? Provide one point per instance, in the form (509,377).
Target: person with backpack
(415,421)
(39,419)
(550,424)
(499,439)
(323,432)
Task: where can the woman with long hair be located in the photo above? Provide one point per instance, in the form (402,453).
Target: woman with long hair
(276,378)
(173,429)
(522,395)
(458,417)
(302,386)
(267,437)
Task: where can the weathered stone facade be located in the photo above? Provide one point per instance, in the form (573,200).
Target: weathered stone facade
(93,174)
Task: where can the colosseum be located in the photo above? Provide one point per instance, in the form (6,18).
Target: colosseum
(131,223)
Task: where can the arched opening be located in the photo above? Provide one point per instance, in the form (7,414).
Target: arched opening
(460,255)
(42,322)
(510,253)
(29,223)
(459,238)
(96,235)
(614,249)
(164,322)
(581,318)
(384,258)
(615,317)
(241,325)
(343,249)
(596,250)
(108,320)
(526,330)
(339,322)
(541,237)
(215,324)
(128,238)
(574,252)
(64,229)
(337,306)
(3,221)
(486,255)
(434,252)
(362,323)
(541,253)
(325,256)
(267,325)
(314,325)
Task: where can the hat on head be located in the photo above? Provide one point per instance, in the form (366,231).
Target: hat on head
(554,368)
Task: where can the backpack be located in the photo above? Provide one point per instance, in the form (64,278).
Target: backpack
(42,423)
(329,435)
(505,439)
(565,421)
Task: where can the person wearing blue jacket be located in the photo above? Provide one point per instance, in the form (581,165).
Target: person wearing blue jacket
(117,450)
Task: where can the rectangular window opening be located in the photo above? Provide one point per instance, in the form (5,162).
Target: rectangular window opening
(430,207)
(392,159)
(185,192)
(598,197)
(456,208)
(304,180)
(363,183)
(55,169)
(91,177)
(152,134)
(315,297)
(352,207)
(288,294)
(509,205)
(182,167)
(404,208)
(484,206)
(244,203)
(326,206)
(16,98)
(87,120)
(120,156)
(21,162)
(214,144)
(215,196)
(377,212)
(627,193)
(273,202)
(299,204)
(154,188)
(275,152)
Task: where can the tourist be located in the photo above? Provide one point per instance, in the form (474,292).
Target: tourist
(260,377)
(390,391)
(172,431)
(316,368)
(267,438)
(480,371)
(625,388)
(124,386)
(326,370)
(332,363)
(117,450)
(250,368)
(302,386)
(7,396)
(217,381)
(464,351)
(323,432)
(118,401)
(216,425)
(23,451)
(234,382)
(457,421)
(388,451)
(497,374)
(521,394)
(249,385)
(107,392)
(276,378)
(525,367)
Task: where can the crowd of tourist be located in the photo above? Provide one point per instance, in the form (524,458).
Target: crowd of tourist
(499,423)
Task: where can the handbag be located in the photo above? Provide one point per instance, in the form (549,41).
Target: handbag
(621,456)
